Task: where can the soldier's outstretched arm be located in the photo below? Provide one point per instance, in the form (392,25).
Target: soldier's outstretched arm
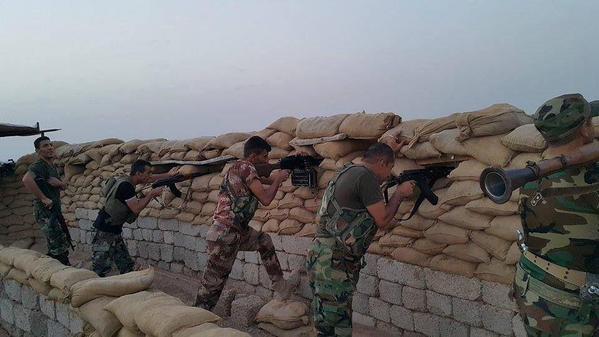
(383,214)
(136,205)
(266,194)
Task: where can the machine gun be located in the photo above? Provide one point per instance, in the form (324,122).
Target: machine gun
(425,179)
(7,168)
(303,172)
(498,184)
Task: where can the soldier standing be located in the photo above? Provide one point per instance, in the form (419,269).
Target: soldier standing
(43,182)
(239,195)
(121,205)
(556,285)
(351,211)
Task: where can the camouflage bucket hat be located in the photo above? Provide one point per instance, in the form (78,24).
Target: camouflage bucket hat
(561,116)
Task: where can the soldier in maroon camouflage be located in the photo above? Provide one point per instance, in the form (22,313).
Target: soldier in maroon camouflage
(238,199)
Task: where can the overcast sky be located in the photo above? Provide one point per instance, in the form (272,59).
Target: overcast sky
(181,69)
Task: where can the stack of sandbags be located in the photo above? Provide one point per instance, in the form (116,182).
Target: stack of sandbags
(284,318)
(16,211)
(226,144)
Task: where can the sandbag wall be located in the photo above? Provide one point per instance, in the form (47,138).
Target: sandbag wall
(41,297)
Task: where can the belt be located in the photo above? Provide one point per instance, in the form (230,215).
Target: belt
(575,277)
(552,294)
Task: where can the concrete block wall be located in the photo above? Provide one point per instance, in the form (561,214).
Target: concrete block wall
(25,313)
(403,299)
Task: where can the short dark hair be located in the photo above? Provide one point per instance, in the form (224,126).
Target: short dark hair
(139,166)
(379,151)
(38,141)
(255,145)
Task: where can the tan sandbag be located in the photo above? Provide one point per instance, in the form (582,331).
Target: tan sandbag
(285,124)
(513,254)
(131,146)
(208,209)
(290,227)
(124,332)
(348,158)
(226,140)
(407,232)
(445,233)
(368,126)
(209,330)
(309,230)
(422,133)
(402,164)
(87,290)
(185,217)
(44,268)
(298,143)
(39,287)
(430,211)
(7,254)
(17,275)
(305,331)
(521,160)
(468,252)
(290,201)
(315,127)
(151,147)
(235,150)
(494,120)
(277,153)
(280,140)
(461,217)
(493,245)
(391,240)
(505,227)
(95,154)
(376,248)
(163,320)
(338,149)
(58,295)
(453,265)
(302,215)
(403,131)
(328,164)
(495,271)
(201,183)
(412,256)
(64,279)
(215,182)
(462,192)
(25,260)
(420,151)
(104,321)
(4,269)
(126,307)
(306,150)
(525,138)
(468,170)
(428,246)
(271,226)
(446,142)
(198,143)
(488,207)
(418,222)
(325,177)
(478,148)
(284,314)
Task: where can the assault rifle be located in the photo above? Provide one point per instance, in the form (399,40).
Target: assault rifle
(425,179)
(55,212)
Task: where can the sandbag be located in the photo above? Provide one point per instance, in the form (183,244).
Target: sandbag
(347,159)
(302,215)
(461,217)
(17,275)
(430,211)
(462,192)
(402,164)
(406,232)
(422,133)
(391,240)
(412,256)
(453,265)
(404,131)
(488,207)
(44,268)
(315,127)
(338,149)
(198,143)
(305,331)
(271,226)
(505,227)
(494,120)
(493,245)
(468,170)
(513,254)
(309,230)
(7,254)
(418,222)
(105,322)
(58,295)
(446,142)
(64,279)
(284,314)
(428,246)
(40,287)
(226,140)
(478,148)
(445,233)
(495,271)
(208,209)
(236,150)
(525,138)
(285,124)
(376,248)
(289,227)
(280,140)
(26,259)
(126,307)
(420,151)
(521,160)
(290,201)
(87,290)
(368,126)
(124,332)
(163,320)
(209,330)
(468,252)
(4,269)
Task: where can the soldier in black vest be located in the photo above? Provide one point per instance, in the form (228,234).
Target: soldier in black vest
(121,205)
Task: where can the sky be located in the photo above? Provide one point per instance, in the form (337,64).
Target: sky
(183,69)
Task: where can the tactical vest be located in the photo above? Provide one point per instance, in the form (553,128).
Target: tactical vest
(352,229)
(243,207)
(118,211)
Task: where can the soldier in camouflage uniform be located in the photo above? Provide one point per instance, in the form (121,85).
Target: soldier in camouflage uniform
(560,217)
(238,199)
(43,181)
(351,211)
(121,205)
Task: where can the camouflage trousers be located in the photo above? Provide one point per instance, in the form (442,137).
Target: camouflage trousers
(333,280)
(223,245)
(544,318)
(107,248)
(58,244)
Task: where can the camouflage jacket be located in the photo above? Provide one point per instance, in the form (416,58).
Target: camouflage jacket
(560,215)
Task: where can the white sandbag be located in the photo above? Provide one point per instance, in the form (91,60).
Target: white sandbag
(105,323)
(525,138)
(462,217)
(315,127)
(284,314)
(163,320)
(468,252)
(87,290)
(368,126)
